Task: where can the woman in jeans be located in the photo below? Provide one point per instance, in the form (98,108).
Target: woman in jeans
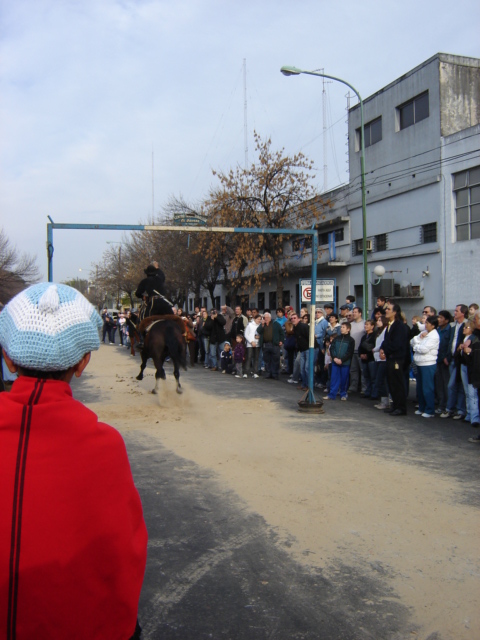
(379,389)
(425,350)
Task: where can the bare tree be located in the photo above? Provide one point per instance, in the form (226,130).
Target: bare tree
(17,270)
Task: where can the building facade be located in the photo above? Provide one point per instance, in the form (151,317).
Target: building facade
(422,165)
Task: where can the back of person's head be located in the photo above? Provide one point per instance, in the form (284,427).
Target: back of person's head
(350,298)
(48,328)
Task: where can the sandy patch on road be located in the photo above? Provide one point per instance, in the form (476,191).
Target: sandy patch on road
(327,501)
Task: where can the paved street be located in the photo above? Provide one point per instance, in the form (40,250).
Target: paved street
(218,569)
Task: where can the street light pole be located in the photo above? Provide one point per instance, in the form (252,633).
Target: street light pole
(293,71)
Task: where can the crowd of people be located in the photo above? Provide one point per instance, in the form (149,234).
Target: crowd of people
(376,357)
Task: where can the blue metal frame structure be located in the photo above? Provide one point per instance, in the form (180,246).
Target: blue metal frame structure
(310,398)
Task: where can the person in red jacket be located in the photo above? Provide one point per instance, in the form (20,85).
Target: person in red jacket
(72,535)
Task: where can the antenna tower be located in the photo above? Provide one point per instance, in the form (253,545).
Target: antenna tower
(245,127)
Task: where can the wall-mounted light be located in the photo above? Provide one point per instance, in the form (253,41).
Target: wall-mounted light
(425,273)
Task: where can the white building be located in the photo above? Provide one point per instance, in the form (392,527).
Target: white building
(422,163)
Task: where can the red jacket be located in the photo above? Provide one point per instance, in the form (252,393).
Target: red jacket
(72,535)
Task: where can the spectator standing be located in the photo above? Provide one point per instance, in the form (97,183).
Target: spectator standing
(380,385)
(471,395)
(425,352)
(442,373)
(301,332)
(217,337)
(472,351)
(253,349)
(226,359)
(239,356)
(271,340)
(239,324)
(229,314)
(394,348)
(341,352)
(456,404)
(367,359)
(357,331)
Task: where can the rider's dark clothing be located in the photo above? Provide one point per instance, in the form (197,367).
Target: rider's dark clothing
(153,286)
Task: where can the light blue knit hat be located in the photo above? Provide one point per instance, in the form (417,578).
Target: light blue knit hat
(49,327)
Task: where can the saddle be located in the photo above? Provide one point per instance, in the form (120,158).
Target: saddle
(147,323)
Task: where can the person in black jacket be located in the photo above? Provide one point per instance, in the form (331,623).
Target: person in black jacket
(367,360)
(394,347)
(301,331)
(216,324)
(153,289)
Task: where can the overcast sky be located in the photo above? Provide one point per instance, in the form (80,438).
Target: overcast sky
(89,87)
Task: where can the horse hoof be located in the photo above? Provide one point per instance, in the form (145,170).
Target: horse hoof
(139,377)
(179,390)
(154,391)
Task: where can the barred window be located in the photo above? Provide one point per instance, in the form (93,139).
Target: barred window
(466,186)
(381,242)
(429,233)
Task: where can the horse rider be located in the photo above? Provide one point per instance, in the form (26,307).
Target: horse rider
(152,288)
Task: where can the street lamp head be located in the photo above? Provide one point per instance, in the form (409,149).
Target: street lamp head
(379,271)
(290,71)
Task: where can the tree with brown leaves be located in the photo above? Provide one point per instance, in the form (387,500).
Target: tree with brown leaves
(275,193)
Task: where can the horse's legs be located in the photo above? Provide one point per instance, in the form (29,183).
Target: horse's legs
(159,373)
(142,366)
(176,373)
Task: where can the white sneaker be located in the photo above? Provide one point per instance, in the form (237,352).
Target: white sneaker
(428,415)
(255,375)
(237,376)
(245,375)
(418,412)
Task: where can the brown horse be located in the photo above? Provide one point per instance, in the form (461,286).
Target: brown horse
(164,339)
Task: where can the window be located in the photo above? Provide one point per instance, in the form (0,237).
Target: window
(261,301)
(373,133)
(429,233)
(413,111)
(272,302)
(301,244)
(466,186)
(323,237)
(381,242)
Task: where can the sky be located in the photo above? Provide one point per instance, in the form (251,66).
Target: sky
(110,107)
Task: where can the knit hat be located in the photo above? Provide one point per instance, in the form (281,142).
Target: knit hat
(49,327)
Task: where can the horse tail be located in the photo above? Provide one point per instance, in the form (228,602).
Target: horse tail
(175,343)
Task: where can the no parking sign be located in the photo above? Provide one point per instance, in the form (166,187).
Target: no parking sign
(324,291)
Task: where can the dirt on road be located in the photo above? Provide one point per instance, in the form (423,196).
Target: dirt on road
(313,487)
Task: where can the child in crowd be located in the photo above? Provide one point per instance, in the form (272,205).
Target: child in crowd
(341,352)
(239,356)
(226,359)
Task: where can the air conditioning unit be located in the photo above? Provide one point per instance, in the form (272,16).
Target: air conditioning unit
(368,245)
(384,288)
